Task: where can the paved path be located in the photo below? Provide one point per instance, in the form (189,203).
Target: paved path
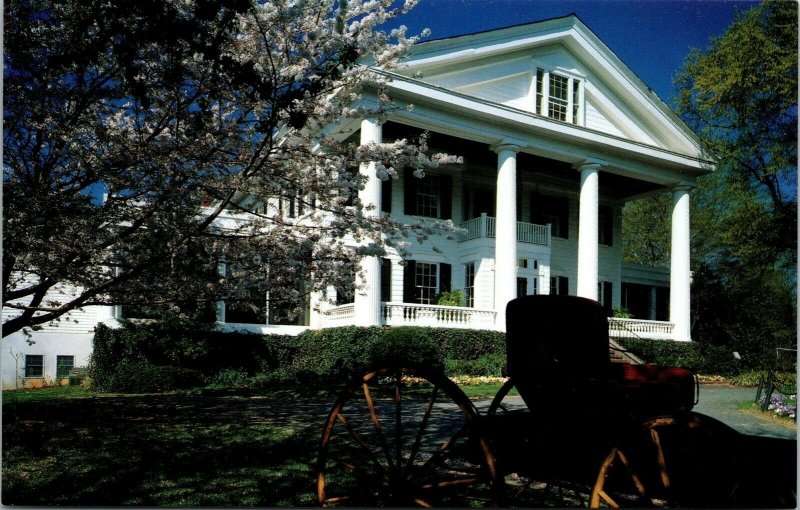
(718,401)
(722,402)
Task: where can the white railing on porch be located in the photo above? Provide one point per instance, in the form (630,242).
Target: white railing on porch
(484,226)
(437,316)
(635,328)
(411,314)
(339,316)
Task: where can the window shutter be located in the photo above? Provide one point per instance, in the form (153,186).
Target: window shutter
(386,195)
(445,277)
(409,273)
(386,280)
(563,286)
(446,190)
(607,286)
(409,192)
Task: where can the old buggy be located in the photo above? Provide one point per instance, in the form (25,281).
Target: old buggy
(590,433)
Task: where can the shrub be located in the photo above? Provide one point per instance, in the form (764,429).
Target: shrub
(490,364)
(142,377)
(408,347)
(451,298)
(468,344)
(333,354)
(697,357)
(230,378)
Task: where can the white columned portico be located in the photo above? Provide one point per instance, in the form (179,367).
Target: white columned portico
(587,230)
(367,300)
(680,274)
(505,258)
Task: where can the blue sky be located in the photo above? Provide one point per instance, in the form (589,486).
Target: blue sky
(652,37)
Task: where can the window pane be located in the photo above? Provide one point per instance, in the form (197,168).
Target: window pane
(64,365)
(429,197)
(469,284)
(559,97)
(34,365)
(426,282)
(575,100)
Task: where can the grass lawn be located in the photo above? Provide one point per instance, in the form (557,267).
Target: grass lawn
(67,446)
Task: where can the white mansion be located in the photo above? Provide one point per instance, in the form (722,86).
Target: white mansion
(557,134)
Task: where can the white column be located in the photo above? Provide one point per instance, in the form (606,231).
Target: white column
(505,258)
(680,275)
(367,302)
(587,231)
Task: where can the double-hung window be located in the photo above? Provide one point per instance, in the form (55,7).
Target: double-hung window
(64,365)
(429,197)
(426,282)
(34,365)
(558,96)
(469,284)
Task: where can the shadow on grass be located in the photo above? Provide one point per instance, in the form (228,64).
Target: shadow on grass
(162,450)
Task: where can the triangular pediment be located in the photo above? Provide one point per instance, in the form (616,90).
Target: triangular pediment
(500,67)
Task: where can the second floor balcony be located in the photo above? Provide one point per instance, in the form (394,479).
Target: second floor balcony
(485,227)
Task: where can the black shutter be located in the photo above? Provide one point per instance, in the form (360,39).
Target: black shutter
(563,286)
(386,195)
(409,192)
(386,280)
(445,277)
(607,297)
(446,198)
(409,275)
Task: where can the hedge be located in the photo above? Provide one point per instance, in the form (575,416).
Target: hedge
(327,355)
(697,357)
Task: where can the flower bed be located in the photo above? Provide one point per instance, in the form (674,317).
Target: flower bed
(782,405)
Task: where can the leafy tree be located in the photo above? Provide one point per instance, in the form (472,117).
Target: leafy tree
(146,141)
(740,96)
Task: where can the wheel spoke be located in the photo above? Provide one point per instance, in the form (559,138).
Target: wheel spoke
(446,446)
(354,433)
(421,431)
(377,422)
(662,463)
(421,457)
(398,417)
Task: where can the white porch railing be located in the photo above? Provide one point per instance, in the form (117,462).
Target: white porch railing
(635,328)
(484,226)
(411,314)
(339,316)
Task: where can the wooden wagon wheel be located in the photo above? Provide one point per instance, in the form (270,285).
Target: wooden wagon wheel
(403,437)
(684,460)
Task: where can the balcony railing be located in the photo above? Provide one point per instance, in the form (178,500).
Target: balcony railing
(437,316)
(339,316)
(484,226)
(635,328)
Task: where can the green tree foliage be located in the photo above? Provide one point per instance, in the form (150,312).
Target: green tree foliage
(740,96)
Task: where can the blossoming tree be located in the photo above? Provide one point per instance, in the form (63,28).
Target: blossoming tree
(133,128)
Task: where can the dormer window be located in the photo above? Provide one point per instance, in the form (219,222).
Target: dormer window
(558,96)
